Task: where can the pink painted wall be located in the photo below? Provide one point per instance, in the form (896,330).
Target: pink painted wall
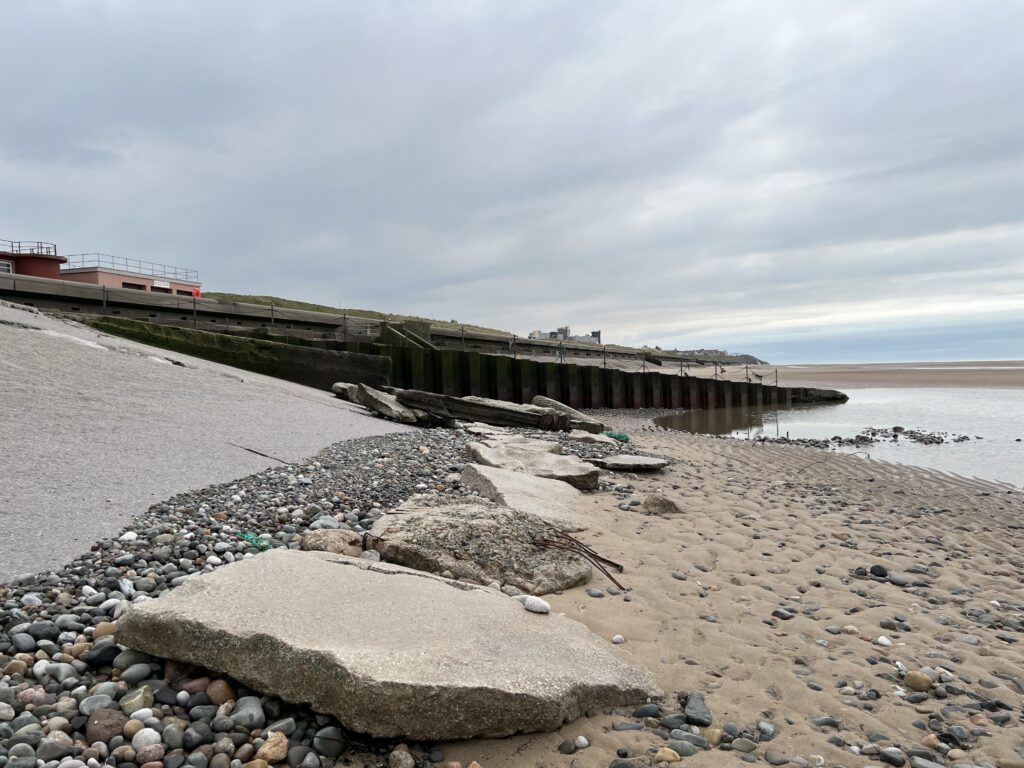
(115,280)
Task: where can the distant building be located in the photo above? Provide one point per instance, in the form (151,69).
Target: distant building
(704,352)
(118,272)
(565,334)
(39,259)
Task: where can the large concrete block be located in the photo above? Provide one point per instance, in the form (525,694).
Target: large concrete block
(389,651)
(482,542)
(551,500)
(507,455)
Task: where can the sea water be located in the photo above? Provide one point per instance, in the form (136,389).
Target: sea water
(993,419)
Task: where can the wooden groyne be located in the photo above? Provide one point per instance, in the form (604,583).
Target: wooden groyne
(458,373)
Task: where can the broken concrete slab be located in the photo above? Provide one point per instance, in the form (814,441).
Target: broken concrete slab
(580,436)
(577,420)
(388,651)
(345,391)
(481,542)
(485,430)
(551,500)
(521,441)
(384,404)
(337,541)
(624,462)
(568,469)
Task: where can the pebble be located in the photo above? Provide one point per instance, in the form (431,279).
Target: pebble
(535,604)
(918,681)
(666,755)
(743,744)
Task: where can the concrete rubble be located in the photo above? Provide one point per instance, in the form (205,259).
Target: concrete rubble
(517,458)
(625,462)
(384,404)
(481,542)
(387,650)
(550,500)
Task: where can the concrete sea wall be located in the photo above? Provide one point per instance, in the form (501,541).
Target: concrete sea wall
(312,366)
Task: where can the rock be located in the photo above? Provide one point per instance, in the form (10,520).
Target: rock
(743,744)
(220,691)
(133,701)
(477,542)
(388,651)
(696,710)
(329,741)
(146,737)
(91,704)
(624,462)
(345,391)
(274,749)
(248,712)
(659,504)
(578,421)
(338,542)
(51,749)
(400,758)
(550,500)
(384,404)
(666,755)
(918,681)
(535,604)
(568,469)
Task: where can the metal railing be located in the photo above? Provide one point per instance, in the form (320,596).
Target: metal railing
(34,248)
(83,260)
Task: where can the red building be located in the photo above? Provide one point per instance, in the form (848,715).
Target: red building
(35,259)
(38,259)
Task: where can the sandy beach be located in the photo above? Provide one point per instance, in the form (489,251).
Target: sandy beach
(999,373)
(763,528)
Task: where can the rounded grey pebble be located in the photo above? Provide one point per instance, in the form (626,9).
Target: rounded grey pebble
(743,744)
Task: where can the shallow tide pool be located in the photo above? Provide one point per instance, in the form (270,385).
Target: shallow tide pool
(993,418)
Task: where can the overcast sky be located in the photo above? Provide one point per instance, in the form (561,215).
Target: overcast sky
(804,181)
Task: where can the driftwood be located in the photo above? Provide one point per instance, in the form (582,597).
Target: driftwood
(561,540)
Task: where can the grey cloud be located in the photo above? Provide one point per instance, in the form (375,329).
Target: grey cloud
(648,168)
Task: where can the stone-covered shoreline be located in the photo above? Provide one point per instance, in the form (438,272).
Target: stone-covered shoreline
(70,696)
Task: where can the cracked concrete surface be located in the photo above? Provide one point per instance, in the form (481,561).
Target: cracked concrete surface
(94,429)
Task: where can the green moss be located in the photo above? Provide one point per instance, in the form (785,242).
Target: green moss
(250,354)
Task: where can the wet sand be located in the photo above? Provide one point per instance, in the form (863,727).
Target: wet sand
(1007,373)
(768,527)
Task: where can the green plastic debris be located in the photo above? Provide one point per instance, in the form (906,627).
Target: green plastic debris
(256,541)
(620,436)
